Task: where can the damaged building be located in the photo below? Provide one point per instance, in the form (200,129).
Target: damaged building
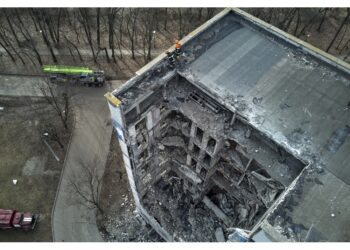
(247,133)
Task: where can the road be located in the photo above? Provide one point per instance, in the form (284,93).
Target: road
(20,86)
(72,221)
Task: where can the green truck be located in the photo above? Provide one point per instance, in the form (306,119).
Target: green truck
(82,75)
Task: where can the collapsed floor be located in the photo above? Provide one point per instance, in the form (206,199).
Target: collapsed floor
(199,168)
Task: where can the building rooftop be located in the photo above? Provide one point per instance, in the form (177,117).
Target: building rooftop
(290,92)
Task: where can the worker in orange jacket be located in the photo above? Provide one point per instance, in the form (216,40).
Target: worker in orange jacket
(177,47)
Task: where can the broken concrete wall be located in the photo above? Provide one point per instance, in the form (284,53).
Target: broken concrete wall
(188,154)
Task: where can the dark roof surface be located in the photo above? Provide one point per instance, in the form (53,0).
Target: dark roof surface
(301,102)
(298,97)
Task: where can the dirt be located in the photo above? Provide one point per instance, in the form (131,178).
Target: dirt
(25,158)
(120,222)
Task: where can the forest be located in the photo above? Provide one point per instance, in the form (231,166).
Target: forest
(32,37)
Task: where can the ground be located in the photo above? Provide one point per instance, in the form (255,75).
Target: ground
(120,222)
(25,158)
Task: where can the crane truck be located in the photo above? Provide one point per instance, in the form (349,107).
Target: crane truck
(10,219)
(82,75)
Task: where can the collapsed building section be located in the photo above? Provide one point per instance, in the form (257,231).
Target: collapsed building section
(204,162)
(199,167)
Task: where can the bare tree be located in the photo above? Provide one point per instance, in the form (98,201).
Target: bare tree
(180,23)
(297,22)
(166,19)
(131,28)
(9,22)
(148,24)
(70,43)
(40,17)
(308,21)
(73,24)
(84,19)
(210,13)
(292,16)
(7,43)
(59,99)
(324,11)
(46,126)
(53,22)
(86,183)
(342,38)
(27,35)
(111,33)
(339,29)
(98,25)
(47,130)
(120,29)
(4,45)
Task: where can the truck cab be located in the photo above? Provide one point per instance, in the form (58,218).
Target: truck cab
(10,219)
(95,79)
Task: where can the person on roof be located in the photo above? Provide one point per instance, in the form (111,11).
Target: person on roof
(177,47)
(171,59)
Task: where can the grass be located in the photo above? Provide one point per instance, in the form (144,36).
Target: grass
(20,141)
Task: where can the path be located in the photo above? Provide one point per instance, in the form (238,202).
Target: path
(20,86)
(72,221)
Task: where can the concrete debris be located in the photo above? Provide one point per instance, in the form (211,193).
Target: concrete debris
(173,141)
(243,213)
(264,192)
(131,228)
(257,101)
(190,174)
(236,158)
(226,205)
(268,181)
(219,235)
(217,211)
(238,235)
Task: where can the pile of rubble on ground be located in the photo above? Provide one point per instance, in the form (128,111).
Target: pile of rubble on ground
(129,228)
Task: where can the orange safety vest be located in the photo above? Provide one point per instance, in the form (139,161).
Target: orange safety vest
(177,45)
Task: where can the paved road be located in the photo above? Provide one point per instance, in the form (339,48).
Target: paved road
(91,137)
(20,86)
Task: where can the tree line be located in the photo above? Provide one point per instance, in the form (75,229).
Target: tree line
(33,35)
(38,36)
